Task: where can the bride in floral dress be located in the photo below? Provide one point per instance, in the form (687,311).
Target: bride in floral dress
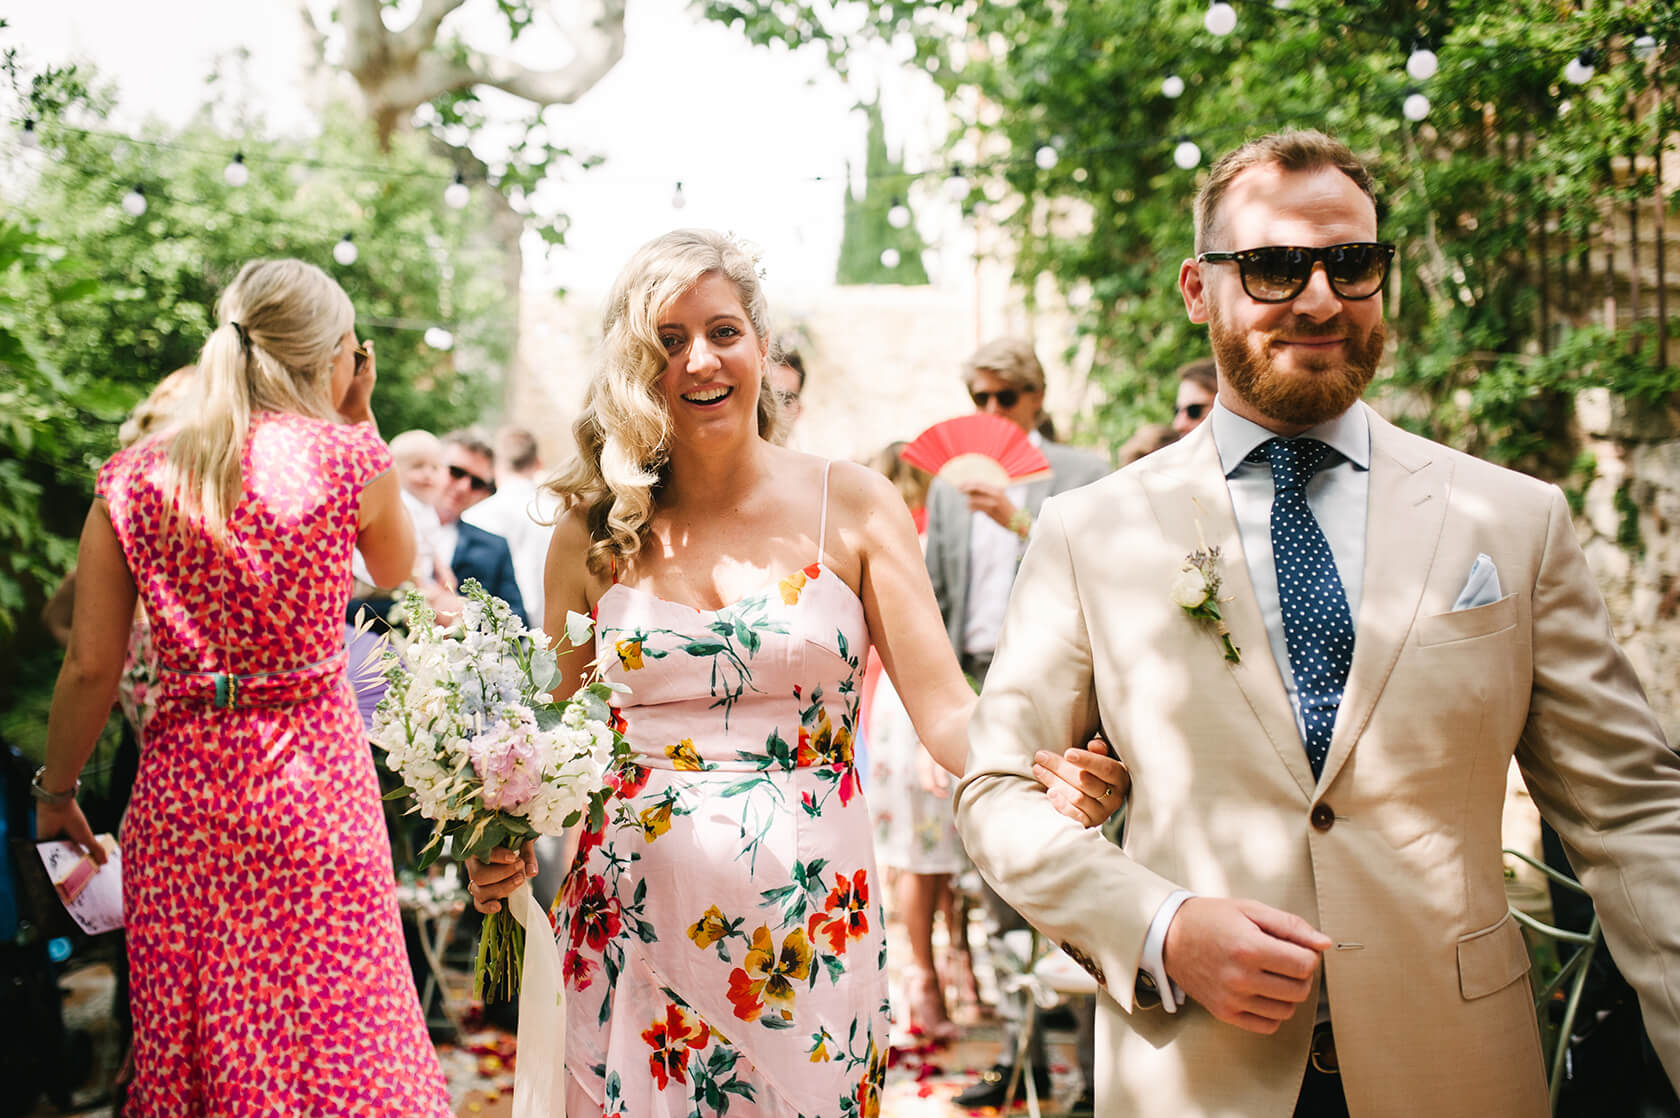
(721,931)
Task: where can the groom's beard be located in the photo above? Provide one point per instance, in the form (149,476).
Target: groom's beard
(1324,389)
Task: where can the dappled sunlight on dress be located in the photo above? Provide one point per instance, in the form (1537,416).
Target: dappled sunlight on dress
(722,934)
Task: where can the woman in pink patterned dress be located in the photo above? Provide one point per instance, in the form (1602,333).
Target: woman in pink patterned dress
(721,931)
(256,990)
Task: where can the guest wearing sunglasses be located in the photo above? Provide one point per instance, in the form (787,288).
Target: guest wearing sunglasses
(975,538)
(1309,915)
(474,552)
(1198,384)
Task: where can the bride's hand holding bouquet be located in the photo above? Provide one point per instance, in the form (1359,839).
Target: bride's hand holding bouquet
(489,756)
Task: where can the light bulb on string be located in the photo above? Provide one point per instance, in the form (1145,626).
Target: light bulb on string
(1186,154)
(30,138)
(1580,68)
(889,258)
(956,187)
(1172,87)
(456,195)
(134,202)
(899,215)
(678,198)
(1415,107)
(1046,157)
(1645,47)
(1422,64)
(236,173)
(345,251)
(438,338)
(1221,19)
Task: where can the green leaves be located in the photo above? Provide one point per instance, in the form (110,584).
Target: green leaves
(1498,199)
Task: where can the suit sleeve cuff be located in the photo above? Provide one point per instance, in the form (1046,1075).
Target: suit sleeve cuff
(1151,966)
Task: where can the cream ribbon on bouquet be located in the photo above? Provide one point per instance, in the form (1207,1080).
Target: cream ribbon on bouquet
(539,1070)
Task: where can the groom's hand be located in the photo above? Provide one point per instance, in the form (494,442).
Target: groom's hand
(499,875)
(1248,964)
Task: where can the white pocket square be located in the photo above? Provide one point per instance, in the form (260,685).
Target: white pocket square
(1481,588)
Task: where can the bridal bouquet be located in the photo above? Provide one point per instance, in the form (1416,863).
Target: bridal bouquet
(484,752)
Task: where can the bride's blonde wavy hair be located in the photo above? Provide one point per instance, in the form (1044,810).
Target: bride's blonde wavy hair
(280,326)
(624,433)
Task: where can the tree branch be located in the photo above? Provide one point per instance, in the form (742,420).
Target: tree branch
(367,45)
(421,35)
(599,47)
(398,73)
(315,43)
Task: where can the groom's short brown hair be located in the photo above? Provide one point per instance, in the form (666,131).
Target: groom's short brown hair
(1293,150)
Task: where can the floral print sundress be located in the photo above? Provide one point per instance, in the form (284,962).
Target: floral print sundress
(268,970)
(722,938)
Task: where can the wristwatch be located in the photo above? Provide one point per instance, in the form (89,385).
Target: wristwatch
(40,792)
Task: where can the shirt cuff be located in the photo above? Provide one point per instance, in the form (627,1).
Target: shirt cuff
(1154,946)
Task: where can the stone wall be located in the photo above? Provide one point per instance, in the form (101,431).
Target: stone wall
(1630,528)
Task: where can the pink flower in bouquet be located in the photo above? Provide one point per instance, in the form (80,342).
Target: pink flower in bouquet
(507,761)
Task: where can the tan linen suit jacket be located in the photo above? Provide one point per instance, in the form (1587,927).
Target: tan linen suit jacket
(1395,851)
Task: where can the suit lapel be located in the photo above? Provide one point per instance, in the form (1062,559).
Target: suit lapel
(1193,505)
(1405,511)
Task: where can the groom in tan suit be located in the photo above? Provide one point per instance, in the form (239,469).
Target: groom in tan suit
(1308,914)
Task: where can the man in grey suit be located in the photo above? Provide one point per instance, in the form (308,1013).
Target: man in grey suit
(976,535)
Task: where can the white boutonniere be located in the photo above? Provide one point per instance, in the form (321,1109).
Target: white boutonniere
(1196,592)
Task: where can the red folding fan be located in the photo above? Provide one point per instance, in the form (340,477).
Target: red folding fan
(978,447)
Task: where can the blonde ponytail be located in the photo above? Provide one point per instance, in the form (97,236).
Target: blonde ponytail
(281,324)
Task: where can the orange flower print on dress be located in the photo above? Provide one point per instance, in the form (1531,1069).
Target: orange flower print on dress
(598,917)
(815,740)
(868,1093)
(820,1040)
(628,779)
(629,654)
(710,928)
(672,1039)
(577,969)
(765,978)
(655,820)
(684,756)
(845,916)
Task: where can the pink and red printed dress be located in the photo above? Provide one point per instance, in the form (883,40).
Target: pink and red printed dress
(268,971)
(722,936)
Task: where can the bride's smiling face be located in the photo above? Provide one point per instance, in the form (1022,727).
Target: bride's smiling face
(714,359)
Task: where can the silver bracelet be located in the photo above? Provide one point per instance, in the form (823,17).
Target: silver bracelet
(40,792)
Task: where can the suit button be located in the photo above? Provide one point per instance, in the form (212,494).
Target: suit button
(1323,817)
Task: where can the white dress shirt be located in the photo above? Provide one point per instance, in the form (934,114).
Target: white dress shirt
(994,555)
(517,511)
(1339,495)
(426,532)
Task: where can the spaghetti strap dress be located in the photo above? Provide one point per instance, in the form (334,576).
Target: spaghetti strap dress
(721,933)
(268,970)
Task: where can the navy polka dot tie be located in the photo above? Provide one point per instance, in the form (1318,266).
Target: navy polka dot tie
(1316,625)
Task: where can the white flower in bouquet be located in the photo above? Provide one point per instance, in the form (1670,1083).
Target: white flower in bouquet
(484,751)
